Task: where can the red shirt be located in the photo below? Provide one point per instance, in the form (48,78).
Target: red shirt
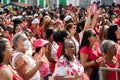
(92,54)
(111,74)
(118,22)
(59,51)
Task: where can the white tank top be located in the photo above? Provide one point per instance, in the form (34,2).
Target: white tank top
(54,48)
(32,64)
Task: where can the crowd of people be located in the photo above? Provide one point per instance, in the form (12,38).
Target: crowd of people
(66,43)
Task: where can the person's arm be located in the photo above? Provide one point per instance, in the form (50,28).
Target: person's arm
(6,74)
(75,77)
(94,21)
(88,21)
(84,62)
(48,53)
(22,67)
(66,77)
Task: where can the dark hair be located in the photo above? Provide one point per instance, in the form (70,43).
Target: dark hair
(69,26)
(80,26)
(49,32)
(111,32)
(59,35)
(2,48)
(9,28)
(17,21)
(86,35)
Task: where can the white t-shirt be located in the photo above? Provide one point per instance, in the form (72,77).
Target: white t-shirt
(31,64)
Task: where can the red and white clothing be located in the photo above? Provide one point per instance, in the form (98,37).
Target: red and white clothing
(64,67)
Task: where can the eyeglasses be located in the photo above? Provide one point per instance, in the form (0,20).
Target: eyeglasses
(69,47)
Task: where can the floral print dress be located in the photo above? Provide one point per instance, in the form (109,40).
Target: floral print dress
(64,67)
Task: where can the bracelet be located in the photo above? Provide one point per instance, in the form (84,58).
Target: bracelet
(95,61)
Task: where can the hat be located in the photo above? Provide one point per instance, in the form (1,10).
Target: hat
(35,21)
(67,18)
(35,15)
(39,43)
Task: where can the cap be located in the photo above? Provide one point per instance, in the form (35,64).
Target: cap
(35,21)
(67,18)
(35,15)
(39,43)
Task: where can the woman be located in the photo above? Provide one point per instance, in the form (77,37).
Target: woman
(60,37)
(6,54)
(68,67)
(109,49)
(17,28)
(30,68)
(52,48)
(90,55)
(71,28)
(41,48)
(113,33)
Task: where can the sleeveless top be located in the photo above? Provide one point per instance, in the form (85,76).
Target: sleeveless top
(31,62)
(15,76)
(54,48)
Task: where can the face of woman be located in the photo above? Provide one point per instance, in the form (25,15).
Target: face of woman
(23,43)
(8,53)
(112,50)
(73,29)
(70,49)
(17,29)
(93,37)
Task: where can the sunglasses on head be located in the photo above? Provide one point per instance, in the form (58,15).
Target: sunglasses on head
(94,34)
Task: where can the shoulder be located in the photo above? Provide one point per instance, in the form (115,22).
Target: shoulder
(85,49)
(6,74)
(62,61)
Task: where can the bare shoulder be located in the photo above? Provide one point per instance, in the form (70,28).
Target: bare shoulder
(6,74)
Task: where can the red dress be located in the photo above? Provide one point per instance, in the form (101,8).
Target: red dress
(15,76)
(92,54)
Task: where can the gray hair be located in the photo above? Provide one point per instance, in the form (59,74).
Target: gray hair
(16,38)
(105,45)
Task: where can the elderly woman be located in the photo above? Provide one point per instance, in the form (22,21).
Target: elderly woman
(114,35)
(30,68)
(6,54)
(90,55)
(109,49)
(68,67)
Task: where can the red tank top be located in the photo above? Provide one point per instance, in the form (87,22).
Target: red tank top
(15,76)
